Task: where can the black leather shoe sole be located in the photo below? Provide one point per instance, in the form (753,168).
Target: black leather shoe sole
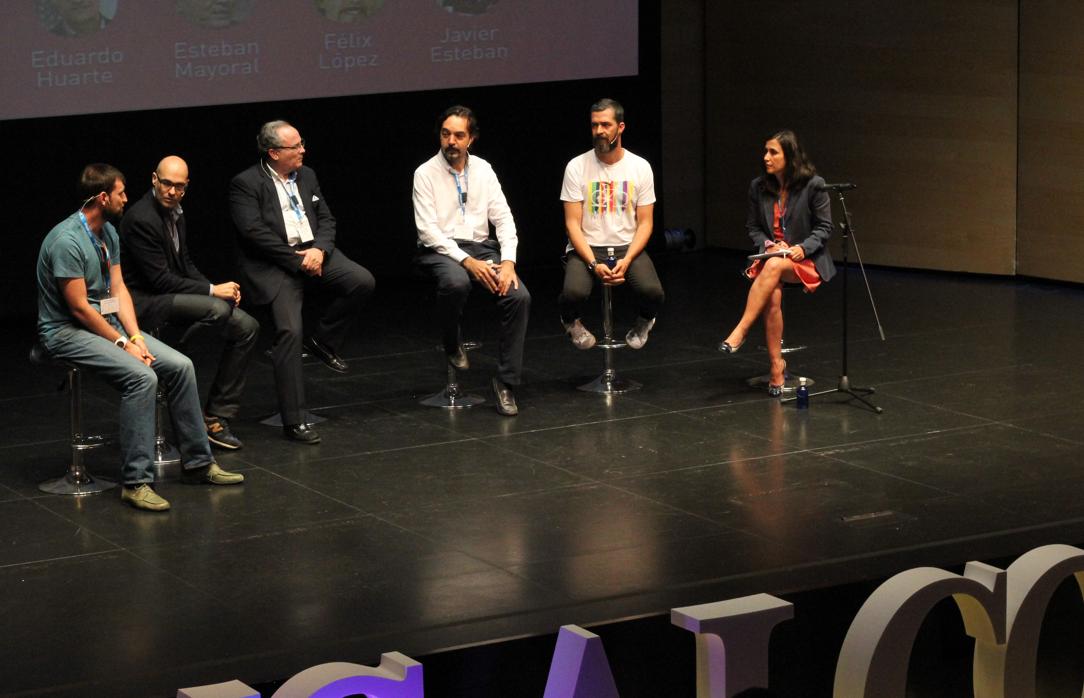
(325,355)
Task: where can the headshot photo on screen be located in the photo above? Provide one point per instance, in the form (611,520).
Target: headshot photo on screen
(347,11)
(467,7)
(215,14)
(75,17)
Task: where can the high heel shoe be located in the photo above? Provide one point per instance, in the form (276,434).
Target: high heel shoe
(777,390)
(728,348)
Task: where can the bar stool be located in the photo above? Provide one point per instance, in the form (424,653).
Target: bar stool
(167,459)
(77,481)
(790,381)
(452,396)
(608,382)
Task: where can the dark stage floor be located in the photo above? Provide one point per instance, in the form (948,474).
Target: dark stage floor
(417,529)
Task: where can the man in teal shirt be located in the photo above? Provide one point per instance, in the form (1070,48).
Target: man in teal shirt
(86,317)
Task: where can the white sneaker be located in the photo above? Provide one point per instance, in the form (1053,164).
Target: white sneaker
(637,336)
(580,336)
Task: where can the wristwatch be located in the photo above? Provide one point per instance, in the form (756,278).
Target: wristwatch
(121,342)
(592,265)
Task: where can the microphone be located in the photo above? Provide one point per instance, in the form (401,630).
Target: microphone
(839,186)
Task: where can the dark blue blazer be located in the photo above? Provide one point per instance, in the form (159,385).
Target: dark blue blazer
(264,257)
(806,222)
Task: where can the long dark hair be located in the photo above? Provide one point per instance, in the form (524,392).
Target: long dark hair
(799,168)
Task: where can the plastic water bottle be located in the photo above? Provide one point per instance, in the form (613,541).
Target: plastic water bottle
(610,261)
(801,396)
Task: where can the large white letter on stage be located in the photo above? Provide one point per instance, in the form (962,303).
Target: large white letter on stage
(877,650)
(398,676)
(579,668)
(732,641)
(229,689)
(1008,670)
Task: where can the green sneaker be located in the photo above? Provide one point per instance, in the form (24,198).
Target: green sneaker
(212,475)
(143,497)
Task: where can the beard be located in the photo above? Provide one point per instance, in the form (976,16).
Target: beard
(603,145)
(452,155)
(112,216)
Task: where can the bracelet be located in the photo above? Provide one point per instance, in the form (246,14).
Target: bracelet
(134,337)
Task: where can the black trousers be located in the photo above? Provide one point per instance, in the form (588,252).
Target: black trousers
(349,284)
(199,314)
(579,280)
(454,286)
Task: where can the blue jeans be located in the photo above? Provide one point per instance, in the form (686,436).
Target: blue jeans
(138,384)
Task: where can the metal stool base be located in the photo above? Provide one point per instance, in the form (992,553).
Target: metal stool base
(165,454)
(78,486)
(784,350)
(167,461)
(790,382)
(452,398)
(610,384)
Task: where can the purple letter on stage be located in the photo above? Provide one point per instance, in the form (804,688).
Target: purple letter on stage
(579,668)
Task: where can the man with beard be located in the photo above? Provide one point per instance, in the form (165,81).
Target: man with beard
(286,242)
(168,289)
(609,199)
(456,197)
(86,317)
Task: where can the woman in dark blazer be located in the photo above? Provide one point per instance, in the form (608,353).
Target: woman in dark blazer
(789,213)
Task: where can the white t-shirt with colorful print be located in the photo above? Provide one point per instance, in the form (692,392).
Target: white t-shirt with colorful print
(610,195)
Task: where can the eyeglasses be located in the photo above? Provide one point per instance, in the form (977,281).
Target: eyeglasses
(299,146)
(179,187)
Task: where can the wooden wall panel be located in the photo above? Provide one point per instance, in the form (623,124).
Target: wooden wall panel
(1051,212)
(915,102)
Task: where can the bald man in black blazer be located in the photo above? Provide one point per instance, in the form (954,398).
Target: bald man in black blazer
(286,236)
(168,289)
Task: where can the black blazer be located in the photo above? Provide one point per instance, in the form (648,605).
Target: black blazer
(153,271)
(806,222)
(264,257)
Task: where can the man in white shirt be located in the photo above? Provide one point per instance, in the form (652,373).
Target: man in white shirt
(456,197)
(609,199)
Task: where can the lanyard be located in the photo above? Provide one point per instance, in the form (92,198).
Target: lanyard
(100,248)
(292,196)
(462,198)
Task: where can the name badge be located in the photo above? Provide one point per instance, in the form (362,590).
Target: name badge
(110,305)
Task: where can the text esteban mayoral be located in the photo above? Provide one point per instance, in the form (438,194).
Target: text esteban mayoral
(213,61)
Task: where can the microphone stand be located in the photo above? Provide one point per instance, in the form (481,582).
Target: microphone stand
(844,386)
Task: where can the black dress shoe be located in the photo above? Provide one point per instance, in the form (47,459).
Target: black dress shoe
(301,432)
(506,401)
(324,353)
(458,359)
